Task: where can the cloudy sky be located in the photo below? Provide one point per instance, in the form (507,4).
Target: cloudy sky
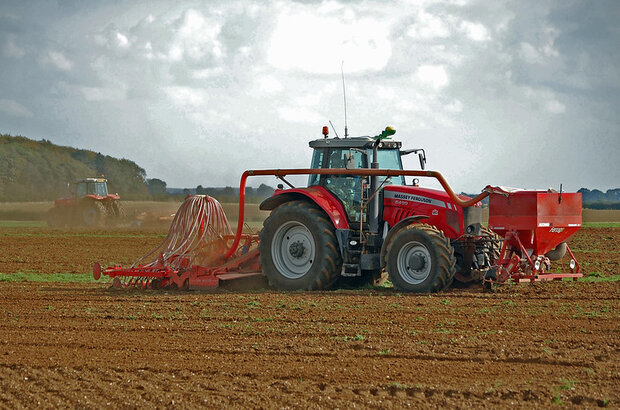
(511,93)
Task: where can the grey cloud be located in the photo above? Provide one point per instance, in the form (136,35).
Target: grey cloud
(533,104)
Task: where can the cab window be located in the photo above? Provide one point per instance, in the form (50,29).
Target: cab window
(348,188)
(317,162)
(390,159)
(101,189)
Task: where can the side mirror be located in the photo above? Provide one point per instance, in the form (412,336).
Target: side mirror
(349,161)
(419,151)
(422,157)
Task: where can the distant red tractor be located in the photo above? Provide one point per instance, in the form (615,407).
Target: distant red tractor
(90,205)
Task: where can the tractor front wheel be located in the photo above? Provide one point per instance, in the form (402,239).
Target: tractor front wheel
(421,259)
(117,210)
(299,249)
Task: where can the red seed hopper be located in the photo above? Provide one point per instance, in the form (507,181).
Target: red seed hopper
(535,226)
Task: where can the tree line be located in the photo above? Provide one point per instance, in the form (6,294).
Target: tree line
(41,171)
(159,190)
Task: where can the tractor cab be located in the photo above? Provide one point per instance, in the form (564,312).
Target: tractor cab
(91,186)
(352,153)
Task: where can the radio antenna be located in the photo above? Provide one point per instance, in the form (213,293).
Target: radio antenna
(333,128)
(344,93)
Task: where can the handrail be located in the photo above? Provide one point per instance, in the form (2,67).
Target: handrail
(340,171)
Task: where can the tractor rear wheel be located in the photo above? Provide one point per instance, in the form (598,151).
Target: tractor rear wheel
(495,244)
(93,214)
(421,259)
(492,245)
(298,248)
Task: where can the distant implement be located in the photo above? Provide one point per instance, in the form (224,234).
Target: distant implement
(90,205)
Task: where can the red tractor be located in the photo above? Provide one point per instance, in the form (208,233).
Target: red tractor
(90,205)
(358,219)
(348,226)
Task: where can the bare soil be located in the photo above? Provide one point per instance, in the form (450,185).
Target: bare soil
(86,345)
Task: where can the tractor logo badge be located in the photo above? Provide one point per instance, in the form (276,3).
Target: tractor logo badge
(435,212)
(556,230)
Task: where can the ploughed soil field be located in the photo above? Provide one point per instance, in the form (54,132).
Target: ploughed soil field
(70,344)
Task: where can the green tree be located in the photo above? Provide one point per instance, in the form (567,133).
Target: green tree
(156,187)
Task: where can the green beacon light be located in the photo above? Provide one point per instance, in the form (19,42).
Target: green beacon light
(389,131)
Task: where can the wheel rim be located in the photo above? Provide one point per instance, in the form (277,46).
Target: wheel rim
(293,250)
(414,263)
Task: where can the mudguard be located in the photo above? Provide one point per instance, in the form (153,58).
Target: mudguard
(319,195)
(394,230)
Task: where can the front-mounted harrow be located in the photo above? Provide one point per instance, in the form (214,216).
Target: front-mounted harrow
(193,254)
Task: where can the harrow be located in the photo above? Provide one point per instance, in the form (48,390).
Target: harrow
(192,254)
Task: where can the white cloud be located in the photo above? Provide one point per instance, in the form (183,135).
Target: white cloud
(11,49)
(305,41)
(268,85)
(428,26)
(58,60)
(15,109)
(529,53)
(206,73)
(555,107)
(300,114)
(434,76)
(542,48)
(475,31)
(186,96)
(196,37)
(122,40)
(454,106)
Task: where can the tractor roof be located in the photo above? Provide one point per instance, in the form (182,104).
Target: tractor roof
(352,142)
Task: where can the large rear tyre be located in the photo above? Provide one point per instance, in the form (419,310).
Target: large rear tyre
(494,244)
(93,214)
(490,245)
(421,259)
(298,248)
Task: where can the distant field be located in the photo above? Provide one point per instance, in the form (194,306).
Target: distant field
(601,215)
(37,211)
